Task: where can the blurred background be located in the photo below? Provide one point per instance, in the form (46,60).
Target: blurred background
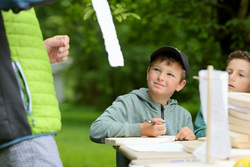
(205,30)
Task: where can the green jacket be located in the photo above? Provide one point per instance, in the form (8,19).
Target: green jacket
(124,116)
(33,69)
(199,125)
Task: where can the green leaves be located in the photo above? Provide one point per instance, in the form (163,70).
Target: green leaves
(88,12)
(118,11)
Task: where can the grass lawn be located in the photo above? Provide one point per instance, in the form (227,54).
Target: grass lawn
(75,147)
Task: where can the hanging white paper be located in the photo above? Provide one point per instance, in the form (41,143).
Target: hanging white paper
(105,21)
(220,144)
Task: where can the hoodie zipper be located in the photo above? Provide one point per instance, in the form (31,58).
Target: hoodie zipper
(162,112)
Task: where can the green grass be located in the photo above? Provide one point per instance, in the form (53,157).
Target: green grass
(75,147)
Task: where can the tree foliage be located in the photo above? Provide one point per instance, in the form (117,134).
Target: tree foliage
(205,30)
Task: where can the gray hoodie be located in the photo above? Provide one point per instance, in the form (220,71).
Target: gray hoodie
(124,116)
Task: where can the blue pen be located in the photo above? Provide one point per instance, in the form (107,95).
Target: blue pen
(155,123)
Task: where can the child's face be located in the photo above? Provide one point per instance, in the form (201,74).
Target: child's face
(239,76)
(164,79)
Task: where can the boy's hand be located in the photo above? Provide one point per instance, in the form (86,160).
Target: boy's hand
(185,134)
(151,130)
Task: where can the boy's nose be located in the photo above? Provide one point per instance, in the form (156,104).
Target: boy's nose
(160,76)
(231,77)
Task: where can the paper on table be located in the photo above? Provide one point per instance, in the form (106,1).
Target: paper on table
(117,141)
(105,21)
(160,147)
(220,145)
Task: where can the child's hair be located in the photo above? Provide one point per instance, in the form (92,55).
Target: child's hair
(170,58)
(238,54)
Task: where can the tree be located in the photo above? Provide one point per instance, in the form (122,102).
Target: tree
(233,31)
(206,31)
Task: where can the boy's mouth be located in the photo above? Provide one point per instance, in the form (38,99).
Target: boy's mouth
(230,86)
(156,83)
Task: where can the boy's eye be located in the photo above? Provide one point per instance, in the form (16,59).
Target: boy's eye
(171,75)
(241,75)
(229,72)
(156,69)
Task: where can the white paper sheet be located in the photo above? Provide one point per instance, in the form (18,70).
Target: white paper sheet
(105,21)
(220,145)
(160,147)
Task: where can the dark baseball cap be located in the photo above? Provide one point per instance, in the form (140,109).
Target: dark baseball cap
(169,49)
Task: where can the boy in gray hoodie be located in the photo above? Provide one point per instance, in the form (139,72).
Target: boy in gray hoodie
(126,116)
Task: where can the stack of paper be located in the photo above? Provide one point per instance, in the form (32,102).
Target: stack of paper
(239,119)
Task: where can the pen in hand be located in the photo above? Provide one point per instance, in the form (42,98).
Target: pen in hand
(155,123)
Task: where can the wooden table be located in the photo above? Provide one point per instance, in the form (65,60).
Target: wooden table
(159,159)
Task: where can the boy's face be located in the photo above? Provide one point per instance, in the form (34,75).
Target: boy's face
(239,76)
(163,79)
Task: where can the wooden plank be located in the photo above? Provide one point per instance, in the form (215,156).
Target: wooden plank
(238,140)
(238,137)
(219,163)
(210,69)
(190,146)
(138,140)
(132,155)
(202,139)
(242,145)
(239,114)
(165,161)
(237,153)
(238,122)
(239,99)
(239,129)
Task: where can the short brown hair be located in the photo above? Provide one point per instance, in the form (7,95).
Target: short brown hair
(238,54)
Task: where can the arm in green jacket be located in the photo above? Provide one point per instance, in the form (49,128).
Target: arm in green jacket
(199,125)
(118,120)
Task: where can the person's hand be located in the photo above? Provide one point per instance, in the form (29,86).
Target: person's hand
(185,134)
(57,48)
(151,130)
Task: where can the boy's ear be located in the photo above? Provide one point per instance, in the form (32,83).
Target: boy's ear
(148,72)
(181,85)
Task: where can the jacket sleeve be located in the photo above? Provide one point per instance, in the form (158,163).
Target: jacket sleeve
(190,123)
(115,122)
(199,125)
